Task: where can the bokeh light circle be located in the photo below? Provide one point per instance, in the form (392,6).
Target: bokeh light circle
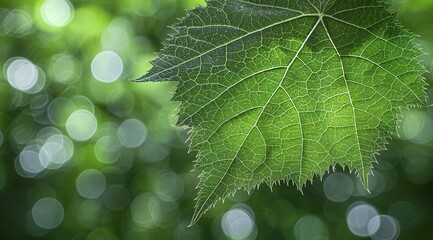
(153,153)
(57,13)
(407,213)
(56,151)
(21,135)
(21,74)
(30,161)
(48,213)
(144,8)
(132,133)
(81,125)
(91,183)
(141,211)
(169,186)
(383,227)
(59,110)
(238,223)
(116,35)
(107,66)
(107,149)
(338,187)
(358,218)
(65,69)
(17,23)
(310,227)
(416,126)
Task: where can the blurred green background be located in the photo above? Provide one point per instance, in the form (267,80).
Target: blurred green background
(87,154)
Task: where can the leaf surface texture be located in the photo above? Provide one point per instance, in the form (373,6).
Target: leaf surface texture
(280,90)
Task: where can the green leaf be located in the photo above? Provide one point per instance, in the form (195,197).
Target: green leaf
(278,91)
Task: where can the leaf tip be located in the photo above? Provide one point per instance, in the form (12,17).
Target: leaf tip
(364,181)
(195,217)
(190,224)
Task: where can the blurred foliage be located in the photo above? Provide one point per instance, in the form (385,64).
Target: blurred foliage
(87,154)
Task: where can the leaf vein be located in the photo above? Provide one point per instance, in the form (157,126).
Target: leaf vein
(155,75)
